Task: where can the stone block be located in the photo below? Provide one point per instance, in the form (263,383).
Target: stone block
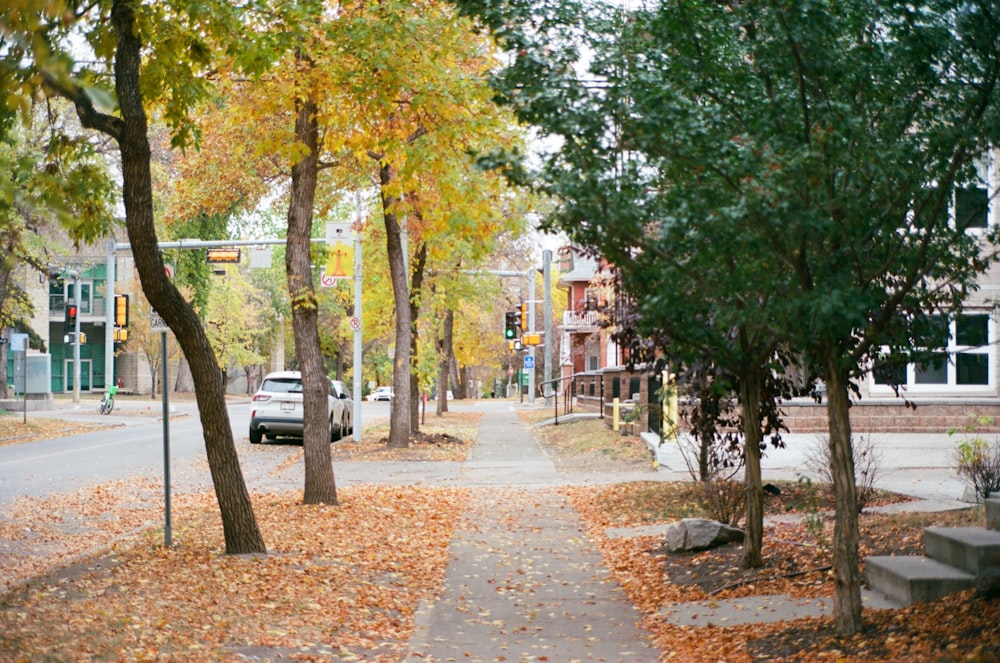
(975,550)
(993,513)
(700,534)
(915,579)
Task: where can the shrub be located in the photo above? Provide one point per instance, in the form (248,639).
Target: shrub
(723,500)
(977,460)
(867,465)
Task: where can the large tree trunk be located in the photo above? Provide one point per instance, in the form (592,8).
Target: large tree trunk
(399,419)
(239,524)
(320,487)
(444,360)
(416,292)
(753,537)
(846,580)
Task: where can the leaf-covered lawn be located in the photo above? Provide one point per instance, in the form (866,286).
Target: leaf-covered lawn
(962,627)
(446,438)
(338,582)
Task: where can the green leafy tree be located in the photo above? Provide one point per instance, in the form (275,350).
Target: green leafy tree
(815,147)
(152,56)
(53,186)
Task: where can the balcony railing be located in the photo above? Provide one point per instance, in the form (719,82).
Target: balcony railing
(580,320)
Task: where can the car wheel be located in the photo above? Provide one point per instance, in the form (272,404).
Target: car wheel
(256,436)
(335,431)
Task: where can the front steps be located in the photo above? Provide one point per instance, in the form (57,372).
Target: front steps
(957,558)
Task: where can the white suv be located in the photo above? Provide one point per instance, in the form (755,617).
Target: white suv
(277,408)
(381,394)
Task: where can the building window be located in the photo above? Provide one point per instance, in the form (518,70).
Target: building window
(964,364)
(972,207)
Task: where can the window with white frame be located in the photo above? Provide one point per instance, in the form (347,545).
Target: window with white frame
(965,365)
(972,207)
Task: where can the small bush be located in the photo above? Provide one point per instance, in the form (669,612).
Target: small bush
(867,465)
(977,460)
(723,500)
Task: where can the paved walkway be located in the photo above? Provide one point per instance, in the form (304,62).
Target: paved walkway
(524,583)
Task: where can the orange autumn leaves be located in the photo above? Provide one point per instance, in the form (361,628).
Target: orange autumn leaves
(336,582)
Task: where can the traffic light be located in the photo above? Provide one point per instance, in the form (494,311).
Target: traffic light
(510,325)
(222,255)
(121,310)
(70,324)
(524,316)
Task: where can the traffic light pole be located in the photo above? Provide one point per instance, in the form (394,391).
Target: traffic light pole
(76,339)
(530,274)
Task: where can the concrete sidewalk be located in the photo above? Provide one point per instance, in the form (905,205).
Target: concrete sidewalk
(524,583)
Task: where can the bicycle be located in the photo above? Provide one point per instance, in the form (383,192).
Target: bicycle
(108,402)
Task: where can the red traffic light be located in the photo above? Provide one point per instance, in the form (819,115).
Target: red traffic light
(70,317)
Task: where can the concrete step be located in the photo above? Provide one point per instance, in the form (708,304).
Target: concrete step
(974,550)
(993,512)
(915,579)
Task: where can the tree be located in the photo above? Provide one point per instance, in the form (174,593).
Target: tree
(828,137)
(151,55)
(236,321)
(50,182)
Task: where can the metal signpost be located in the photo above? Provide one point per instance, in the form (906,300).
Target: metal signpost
(158,324)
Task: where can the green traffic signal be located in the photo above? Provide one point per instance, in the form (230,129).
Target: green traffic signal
(510,325)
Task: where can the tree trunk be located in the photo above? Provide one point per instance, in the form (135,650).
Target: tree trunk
(183,382)
(416,290)
(154,369)
(847,581)
(444,360)
(238,522)
(753,537)
(459,376)
(320,487)
(399,418)
(5,335)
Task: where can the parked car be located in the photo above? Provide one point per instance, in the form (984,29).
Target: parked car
(277,408)
(381,394)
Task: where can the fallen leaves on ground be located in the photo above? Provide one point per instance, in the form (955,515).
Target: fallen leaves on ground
(14,429)
(37,534)
(343,582)
(337,582)
(445,438)
(958,627)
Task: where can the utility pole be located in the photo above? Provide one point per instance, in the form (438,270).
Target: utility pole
(530,275)
(547,313)
(76,337)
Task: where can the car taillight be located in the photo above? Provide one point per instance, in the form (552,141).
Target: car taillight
(261,397)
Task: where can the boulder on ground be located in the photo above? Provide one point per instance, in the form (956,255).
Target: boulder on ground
(691,534)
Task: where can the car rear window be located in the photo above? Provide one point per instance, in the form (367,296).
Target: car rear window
(282,386)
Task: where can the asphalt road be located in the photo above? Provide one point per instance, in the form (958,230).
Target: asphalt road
(134,447)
